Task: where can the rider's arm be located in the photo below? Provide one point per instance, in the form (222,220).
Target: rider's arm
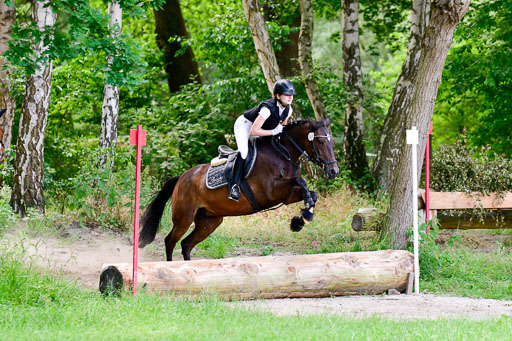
(258,123)
(256,127)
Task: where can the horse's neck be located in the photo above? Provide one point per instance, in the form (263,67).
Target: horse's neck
(300,140)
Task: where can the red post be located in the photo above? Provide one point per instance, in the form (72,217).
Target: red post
(427,176)
(138,138)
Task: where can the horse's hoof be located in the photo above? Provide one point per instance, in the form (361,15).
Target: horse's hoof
(296,224)
(307,214)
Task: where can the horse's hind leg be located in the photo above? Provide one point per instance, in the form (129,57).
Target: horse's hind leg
(180,224)
(204,226)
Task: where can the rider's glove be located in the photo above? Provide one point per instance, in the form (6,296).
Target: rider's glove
(277,130)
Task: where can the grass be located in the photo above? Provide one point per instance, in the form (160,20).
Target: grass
(43,307)
(462,271)
(154,318)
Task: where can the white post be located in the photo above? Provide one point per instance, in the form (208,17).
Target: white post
(412,139)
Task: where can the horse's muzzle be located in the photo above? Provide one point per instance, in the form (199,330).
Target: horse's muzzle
(332,171)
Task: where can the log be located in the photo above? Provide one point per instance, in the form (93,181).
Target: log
(319,275)
(366,219)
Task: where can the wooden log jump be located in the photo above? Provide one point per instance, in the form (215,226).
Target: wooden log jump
(319,275)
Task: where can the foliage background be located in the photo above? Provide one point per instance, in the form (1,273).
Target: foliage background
(185,128)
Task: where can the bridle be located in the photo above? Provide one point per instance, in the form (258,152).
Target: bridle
(318,160)
(276,144)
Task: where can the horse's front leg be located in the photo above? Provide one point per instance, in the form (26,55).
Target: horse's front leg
(302,192)
(309,200)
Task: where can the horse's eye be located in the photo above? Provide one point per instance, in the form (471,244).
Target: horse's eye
(321,142)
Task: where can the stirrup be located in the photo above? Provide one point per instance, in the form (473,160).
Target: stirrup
(234,193)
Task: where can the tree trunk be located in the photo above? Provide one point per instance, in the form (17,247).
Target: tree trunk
(262,42)
(29,167)
(287,56)
(306,60)
(393,132)
(180,69)
(321,275)
(438,37)
(7,19)
(110,107)
(353,147)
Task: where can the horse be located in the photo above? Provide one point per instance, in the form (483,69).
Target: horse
(275,179)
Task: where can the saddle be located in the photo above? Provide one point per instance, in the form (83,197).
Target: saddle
(221,167)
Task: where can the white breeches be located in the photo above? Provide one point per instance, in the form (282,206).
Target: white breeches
(242,129)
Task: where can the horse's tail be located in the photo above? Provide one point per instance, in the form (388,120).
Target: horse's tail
(155,210)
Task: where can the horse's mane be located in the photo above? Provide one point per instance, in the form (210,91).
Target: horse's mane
(292,125)
(298,123)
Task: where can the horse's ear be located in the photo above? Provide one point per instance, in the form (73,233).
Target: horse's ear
(327,121)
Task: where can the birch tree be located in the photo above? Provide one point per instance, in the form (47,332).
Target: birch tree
(393,132)
(353,147)
(27,188)
(7,18)
(262,43)
(306,59)
(445,16)
(110,107)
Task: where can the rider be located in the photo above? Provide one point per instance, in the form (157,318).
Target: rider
(265,119)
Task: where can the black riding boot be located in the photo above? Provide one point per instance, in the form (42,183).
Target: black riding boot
(238,170)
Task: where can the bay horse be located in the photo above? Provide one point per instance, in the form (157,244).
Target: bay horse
(274,179)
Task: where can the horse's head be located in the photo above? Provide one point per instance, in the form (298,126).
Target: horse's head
(317,141)
(320,147)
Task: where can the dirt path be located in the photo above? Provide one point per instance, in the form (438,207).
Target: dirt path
(398,307)
(81,253)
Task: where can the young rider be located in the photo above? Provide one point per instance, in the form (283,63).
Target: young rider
(265,119)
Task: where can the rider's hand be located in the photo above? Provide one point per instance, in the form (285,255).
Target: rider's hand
(277,130)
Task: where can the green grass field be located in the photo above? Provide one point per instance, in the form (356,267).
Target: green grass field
(84,316)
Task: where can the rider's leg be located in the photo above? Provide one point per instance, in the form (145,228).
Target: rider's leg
(242,128)
(234,193)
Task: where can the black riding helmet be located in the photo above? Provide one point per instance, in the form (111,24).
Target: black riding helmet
(284,87)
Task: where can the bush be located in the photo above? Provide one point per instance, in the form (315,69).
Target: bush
(459,168)
(106,199)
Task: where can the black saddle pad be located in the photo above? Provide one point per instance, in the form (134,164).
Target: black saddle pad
(216,175)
